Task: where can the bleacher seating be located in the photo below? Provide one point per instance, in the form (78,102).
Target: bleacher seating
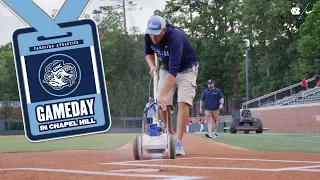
(311,95)
(289,95)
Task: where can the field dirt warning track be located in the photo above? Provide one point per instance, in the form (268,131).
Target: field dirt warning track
(204,159)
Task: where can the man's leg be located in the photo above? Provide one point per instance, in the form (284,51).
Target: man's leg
(208,115)
(215,128)
(186,82)
(215,120)
(162,77)
(147,128)
(183,116)
(147,124)
(163,117)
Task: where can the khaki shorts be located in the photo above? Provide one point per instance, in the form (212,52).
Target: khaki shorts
(185,82)
(212,115)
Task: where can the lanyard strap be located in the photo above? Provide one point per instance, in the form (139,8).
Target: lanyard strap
(34,16)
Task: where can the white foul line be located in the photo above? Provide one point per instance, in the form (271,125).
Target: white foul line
(263,160)
(231,159)
(308,170)
(196,167)
(302,168)
(107,173)
(299,168)
(149,160)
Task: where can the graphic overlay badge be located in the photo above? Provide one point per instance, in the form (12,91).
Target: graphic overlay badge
(60,72)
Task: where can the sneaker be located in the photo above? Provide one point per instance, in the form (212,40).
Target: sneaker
(208,135)
(179,148)
(216,135)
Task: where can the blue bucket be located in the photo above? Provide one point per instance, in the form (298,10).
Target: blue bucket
(154,130)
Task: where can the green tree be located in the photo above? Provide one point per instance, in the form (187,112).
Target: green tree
(125,68)
(309,46)
(8,80)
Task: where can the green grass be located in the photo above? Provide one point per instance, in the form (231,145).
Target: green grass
(284,142)
(11,144)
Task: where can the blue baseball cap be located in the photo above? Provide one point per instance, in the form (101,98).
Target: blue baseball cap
(155,25)
(210,81)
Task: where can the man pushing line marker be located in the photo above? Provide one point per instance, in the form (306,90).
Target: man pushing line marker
(179,70)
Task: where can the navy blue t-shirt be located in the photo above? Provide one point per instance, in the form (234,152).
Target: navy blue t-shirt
(211,98)
(175,52)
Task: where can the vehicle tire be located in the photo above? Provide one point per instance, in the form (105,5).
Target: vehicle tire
(233,125)
(259,124)
(137,147)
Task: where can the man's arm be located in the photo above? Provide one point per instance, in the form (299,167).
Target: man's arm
(176,49)
(221,96)
(145,113)
(149,53)
(222,101)
(202,99)
(150,60)
(145,107)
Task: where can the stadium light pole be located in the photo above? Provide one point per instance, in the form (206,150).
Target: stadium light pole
(247,77)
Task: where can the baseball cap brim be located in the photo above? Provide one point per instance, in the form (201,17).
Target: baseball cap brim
(153,32)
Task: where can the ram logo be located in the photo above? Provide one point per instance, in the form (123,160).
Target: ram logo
(59,75)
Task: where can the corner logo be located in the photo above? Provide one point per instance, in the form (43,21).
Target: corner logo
(295,11)
(59,75)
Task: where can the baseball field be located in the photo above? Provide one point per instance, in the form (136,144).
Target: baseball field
(109,156)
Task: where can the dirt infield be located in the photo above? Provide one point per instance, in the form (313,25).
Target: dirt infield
(204,159)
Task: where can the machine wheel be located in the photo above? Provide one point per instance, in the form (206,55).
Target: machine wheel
(137,147)
(233,125)
(259,124)
(172,146)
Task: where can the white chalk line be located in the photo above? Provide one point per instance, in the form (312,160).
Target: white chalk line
(140,170)
(262,160)
(149,160)
(231,159)
(162,176)
(304,168)
(195,167)
(301,168)
(308,170)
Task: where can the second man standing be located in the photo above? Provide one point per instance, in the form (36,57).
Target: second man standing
(212,99)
